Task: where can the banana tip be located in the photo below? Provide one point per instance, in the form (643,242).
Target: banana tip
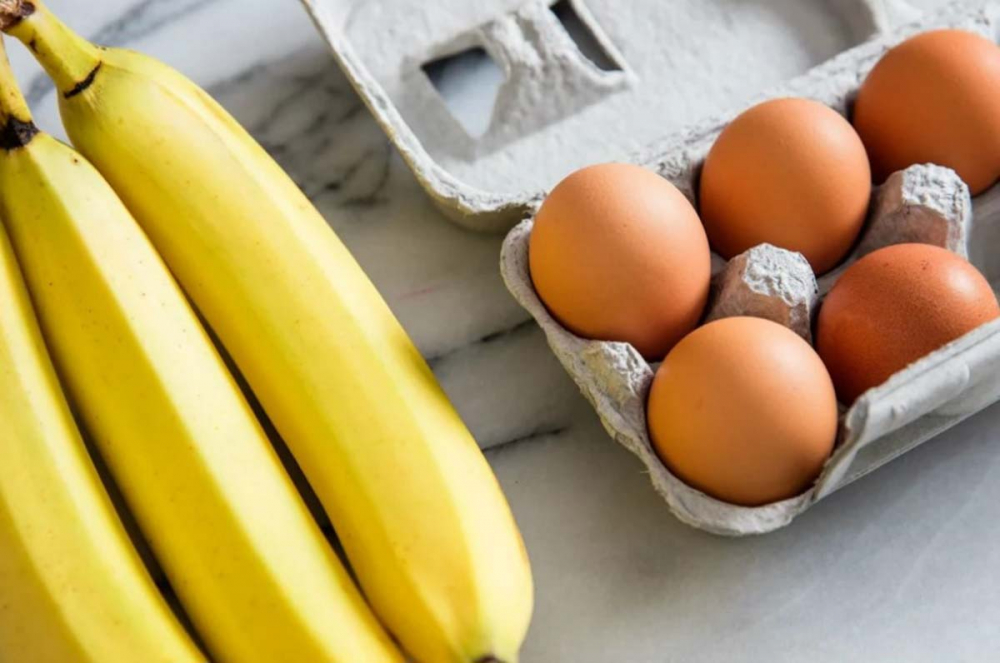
(13,12)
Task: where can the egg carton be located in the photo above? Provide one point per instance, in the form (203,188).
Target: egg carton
(578,81)
(924,203)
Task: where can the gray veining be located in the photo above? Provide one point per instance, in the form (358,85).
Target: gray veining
(903,565)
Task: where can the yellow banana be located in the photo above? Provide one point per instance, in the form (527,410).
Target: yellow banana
(236,541)
(421,516)
(72,588)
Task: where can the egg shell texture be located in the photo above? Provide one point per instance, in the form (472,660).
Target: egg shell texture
(935,98)
(893,307)
(618,253)
(744,410)
(790,172)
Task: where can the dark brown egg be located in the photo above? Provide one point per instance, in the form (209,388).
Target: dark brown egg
(895,306)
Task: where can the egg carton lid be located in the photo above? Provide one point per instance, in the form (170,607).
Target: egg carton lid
(575,81)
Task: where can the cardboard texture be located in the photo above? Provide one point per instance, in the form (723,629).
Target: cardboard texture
(567,100)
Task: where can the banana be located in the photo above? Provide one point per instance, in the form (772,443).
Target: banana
(248,563)
(72,588)
(420,514)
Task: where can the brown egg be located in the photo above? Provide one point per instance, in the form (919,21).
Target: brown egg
(618,253)
(935,98)
(895,306)
(790,172)
(743,410)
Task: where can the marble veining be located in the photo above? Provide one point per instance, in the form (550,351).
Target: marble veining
(134,23)
(903,565)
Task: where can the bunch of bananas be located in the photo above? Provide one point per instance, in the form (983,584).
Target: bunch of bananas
(166,185)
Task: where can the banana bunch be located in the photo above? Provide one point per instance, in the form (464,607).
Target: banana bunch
(422,519)
(207,489)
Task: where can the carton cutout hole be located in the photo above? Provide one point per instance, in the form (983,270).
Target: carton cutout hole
(583,36)
(469,82)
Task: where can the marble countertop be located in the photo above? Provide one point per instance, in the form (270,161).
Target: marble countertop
(902,565)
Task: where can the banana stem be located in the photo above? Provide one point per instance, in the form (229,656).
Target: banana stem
(12,11)
(69,59)
(16,126)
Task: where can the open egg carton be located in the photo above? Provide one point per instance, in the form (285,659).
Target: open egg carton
(585,81)
(924,203)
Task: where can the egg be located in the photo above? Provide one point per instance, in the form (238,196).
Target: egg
(935,98)
(894,306)
(789,172)
(618,253)
(743,410)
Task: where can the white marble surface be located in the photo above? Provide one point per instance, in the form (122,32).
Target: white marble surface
(901,566)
